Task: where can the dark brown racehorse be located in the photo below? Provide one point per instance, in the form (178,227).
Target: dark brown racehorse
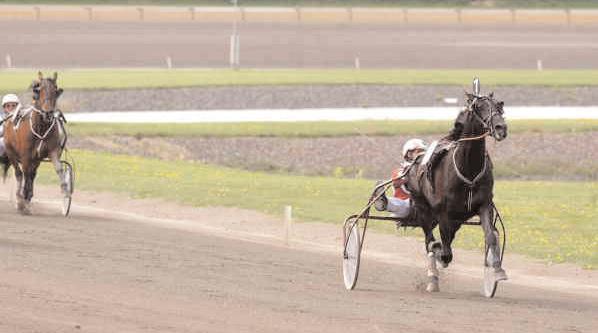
(33,136)
(459,185)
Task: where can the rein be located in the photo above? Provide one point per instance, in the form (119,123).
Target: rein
(472,138)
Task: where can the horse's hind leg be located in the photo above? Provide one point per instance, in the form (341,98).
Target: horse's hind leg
(492,242)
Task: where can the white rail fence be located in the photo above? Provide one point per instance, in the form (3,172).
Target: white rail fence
(329,114)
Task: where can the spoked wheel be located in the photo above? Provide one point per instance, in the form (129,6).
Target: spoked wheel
(351,253)
(70,187)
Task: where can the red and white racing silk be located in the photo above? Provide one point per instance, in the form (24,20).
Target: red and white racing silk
(399,185)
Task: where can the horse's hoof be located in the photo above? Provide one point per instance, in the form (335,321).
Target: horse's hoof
(25,210)
(491,278)
(432,287)
(442,263)
(500,274)
(26,207)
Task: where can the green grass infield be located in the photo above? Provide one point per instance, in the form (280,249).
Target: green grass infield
(19,80)
(554,221)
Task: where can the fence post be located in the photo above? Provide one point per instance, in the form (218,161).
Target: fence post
(288,222)
(8,61)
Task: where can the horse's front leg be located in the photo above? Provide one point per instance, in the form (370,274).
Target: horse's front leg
(448,229)
(24,202)
(432,248)
(30,173)
(20,191)
(492,241)
(59,171)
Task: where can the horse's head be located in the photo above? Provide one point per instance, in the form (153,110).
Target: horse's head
(46,93)
(485,114)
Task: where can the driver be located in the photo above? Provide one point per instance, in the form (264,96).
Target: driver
(399,204)
(10,104)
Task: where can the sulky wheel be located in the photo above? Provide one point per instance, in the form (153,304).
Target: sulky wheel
(490,283)
(491,277)
(351,253)
(70,187)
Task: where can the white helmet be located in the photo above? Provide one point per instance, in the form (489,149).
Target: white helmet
(412,144)
(10,98)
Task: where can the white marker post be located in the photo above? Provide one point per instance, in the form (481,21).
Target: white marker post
(8,61)
(288,222)
(357,63)
(237,51)
(234,41)
(234,51)
(169,62)
(539,65)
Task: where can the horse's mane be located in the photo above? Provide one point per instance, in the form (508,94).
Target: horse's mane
(457,130)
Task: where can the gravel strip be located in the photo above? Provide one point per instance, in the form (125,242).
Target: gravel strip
(317,96)
(522,156)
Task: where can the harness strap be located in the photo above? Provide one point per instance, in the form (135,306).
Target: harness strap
(470,183)
(39,136)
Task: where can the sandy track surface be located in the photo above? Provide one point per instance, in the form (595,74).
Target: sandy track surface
(94,44)
(119,265)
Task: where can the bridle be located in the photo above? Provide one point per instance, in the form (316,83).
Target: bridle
(487,123)
(50,118)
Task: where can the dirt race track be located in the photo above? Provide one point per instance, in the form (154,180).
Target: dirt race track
(85,44)
(226,270)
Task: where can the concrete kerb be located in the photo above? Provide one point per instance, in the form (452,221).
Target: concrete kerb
(358,15)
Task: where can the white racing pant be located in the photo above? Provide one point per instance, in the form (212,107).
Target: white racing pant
(399,208)
(2,149)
